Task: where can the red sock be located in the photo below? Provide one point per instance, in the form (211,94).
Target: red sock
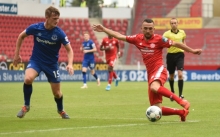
(167,93)
(110,75)
(171,111)
(114,75)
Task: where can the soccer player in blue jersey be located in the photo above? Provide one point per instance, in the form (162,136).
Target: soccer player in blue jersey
(88,48)
(48,38)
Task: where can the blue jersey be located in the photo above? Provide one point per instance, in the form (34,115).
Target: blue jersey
(47,43)
(88,45)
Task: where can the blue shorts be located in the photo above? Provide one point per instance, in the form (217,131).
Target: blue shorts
(88,63)
(51,71)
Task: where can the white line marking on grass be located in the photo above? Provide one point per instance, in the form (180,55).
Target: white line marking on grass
(93,127)
(178,122)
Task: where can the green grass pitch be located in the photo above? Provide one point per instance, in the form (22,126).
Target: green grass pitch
(95,112)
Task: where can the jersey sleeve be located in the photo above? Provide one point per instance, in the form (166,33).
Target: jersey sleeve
(131,39)
(92,44)
(64,38)
(31,29)
(103,42)
(165,42)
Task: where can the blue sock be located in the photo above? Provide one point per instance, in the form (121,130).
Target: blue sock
(84,77)
(27,89)
(59,102)
(96,77)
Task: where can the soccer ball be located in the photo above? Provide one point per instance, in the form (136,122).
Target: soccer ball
(153,113)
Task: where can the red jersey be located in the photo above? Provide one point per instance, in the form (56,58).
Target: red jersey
(151,50)
(114,44)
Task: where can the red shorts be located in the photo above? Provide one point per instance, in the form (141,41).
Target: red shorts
(111,61)
(160,75)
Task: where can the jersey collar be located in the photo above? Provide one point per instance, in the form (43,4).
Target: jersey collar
(174,32)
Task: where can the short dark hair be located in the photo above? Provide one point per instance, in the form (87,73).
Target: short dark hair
(149,21)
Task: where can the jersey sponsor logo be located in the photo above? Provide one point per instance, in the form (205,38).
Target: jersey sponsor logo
(164,39)
(45,41)
(152,45)
(146,50)
(54,37)
(86,46)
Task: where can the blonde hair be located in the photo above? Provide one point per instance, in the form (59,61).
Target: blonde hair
(174,19)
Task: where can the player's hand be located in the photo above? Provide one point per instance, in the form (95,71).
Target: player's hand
(85,51)
(197,51)
(98,28)
(70,69)
(16,60)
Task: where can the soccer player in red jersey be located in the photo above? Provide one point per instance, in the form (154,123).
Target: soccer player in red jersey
(151,46)
(111,47)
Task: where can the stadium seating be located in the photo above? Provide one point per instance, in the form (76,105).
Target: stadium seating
(151,8)
(147,9)
(119,25)
(11,26)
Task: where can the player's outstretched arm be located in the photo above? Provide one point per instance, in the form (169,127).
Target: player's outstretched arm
(186,48)
(100,28)
(69,67)
(17,57)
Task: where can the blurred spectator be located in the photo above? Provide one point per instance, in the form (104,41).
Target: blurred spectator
(62,3)
(83,3)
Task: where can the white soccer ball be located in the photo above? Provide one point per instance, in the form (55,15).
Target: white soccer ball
(153,113)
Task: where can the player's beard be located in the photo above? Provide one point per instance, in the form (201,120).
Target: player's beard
(147,36)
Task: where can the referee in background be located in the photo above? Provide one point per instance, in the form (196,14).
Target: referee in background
(175,56)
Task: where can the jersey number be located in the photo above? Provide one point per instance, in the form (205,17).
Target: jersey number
(56,74)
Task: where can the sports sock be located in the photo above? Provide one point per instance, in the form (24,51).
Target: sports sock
(167,93)
(180,85)
(96,77)
(114,75)
(166,111)
(27,89)
(171,85)
(84,77)
(110,77)
(59,102)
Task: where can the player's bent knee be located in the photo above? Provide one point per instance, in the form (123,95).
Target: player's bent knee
(57,94)
(28,80)
(153,89)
